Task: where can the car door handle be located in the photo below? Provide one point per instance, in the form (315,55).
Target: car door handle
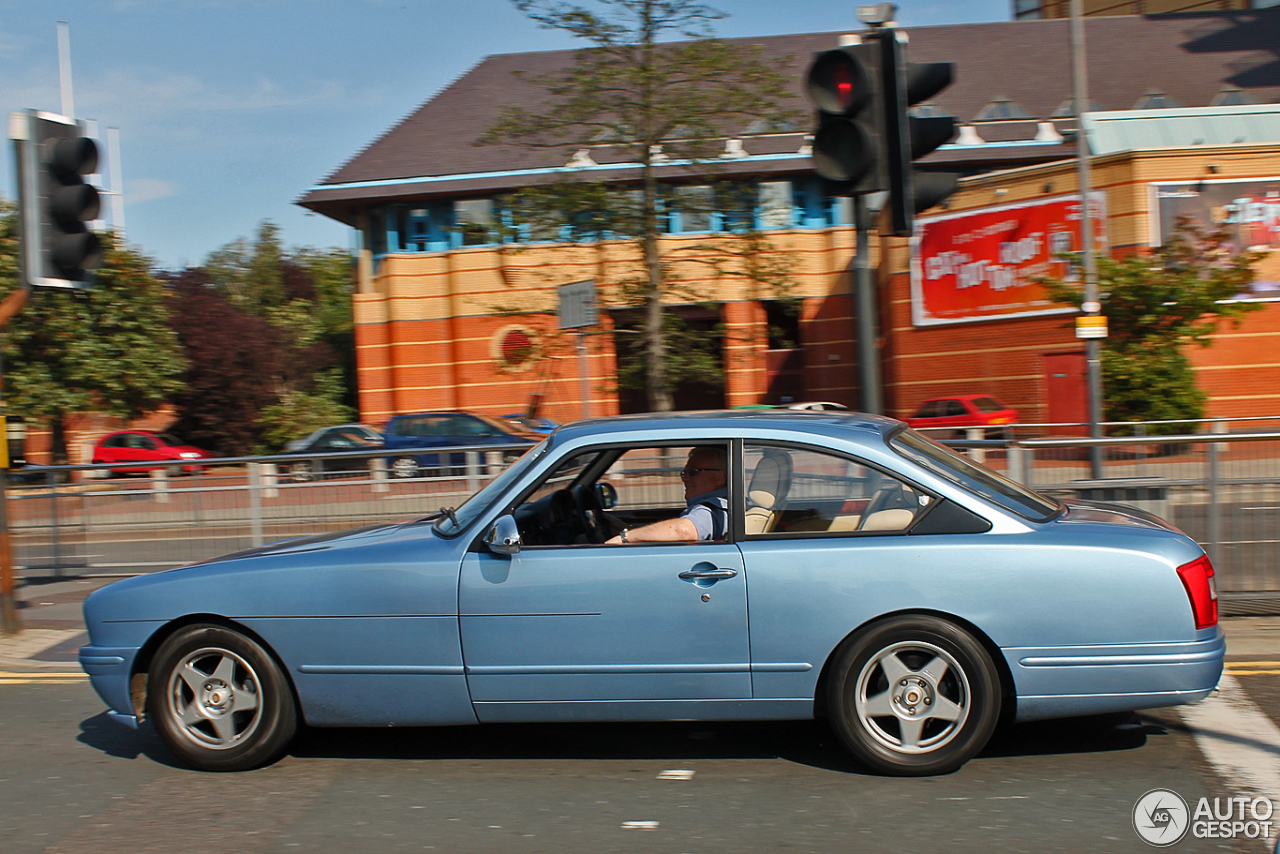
(715,574)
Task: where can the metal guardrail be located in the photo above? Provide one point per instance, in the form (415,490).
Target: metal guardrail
(1223,489)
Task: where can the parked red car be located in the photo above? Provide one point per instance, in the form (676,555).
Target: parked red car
(127,446)
(966,410)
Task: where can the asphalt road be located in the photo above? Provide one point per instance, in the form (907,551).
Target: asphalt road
(74,782)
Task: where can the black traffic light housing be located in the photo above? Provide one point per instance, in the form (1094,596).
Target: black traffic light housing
(55,203)
(866,140)
(848,144)
(909,137)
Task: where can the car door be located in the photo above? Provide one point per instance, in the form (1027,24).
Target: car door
(560,623)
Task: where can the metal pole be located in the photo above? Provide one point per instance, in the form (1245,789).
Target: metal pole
(867,328)
(64,69)
(1093,347)
(584,388)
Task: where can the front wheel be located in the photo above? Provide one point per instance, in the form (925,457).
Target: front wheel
(219,700)
(404,467)
(914,696)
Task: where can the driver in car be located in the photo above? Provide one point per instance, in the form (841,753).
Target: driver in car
(706,493)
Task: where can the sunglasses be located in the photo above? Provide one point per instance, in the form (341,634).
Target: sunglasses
(694,471)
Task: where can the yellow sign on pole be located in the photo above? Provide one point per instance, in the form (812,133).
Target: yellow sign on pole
(1091,326)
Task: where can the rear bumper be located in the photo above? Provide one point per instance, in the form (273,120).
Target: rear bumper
(1082,680)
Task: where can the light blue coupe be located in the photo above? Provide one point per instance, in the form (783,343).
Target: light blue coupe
(867,575)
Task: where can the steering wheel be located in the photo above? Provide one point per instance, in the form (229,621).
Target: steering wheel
(591,514)
(560,522)
(890,492)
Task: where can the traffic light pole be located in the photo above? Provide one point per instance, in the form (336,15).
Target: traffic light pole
(864,285)
(10,621)
(1093,347)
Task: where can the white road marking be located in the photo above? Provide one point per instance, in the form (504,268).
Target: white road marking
(676,774)
(1237,739)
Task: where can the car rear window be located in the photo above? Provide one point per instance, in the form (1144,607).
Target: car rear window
(994,487)
(987,404)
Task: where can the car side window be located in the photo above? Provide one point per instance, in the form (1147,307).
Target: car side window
(638,486)
(805,491)
(955,407)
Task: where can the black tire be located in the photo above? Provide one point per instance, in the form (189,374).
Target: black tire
(913,696)
(404,467)
(301,472)
(219,700)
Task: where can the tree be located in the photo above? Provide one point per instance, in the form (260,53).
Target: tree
(1156,305)
(232,356)
(650,101)
(269,334)
(108,349)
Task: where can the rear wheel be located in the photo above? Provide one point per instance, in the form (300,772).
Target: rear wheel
(219,700)
(301,472)
(914,696)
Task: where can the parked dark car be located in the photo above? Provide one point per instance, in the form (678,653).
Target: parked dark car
(332,440)
(128,446)
(413,434)
(532,423)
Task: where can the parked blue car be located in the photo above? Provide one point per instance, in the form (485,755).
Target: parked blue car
(911,597)
(413,433)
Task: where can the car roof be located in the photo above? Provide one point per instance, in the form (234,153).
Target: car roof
(731,421)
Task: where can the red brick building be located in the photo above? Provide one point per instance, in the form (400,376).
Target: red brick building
(438,284)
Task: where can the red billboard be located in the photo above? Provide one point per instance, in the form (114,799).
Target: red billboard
(980,264)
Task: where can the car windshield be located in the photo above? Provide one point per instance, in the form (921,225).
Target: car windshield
(170,439)
(450,524)
(981,480)
(987,404)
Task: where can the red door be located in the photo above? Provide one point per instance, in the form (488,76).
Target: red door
(1067,386)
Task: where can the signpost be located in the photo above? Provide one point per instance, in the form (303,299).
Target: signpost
(578,311)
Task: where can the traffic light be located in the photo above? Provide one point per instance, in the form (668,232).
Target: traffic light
(908,137)
(53,157)
(848,145)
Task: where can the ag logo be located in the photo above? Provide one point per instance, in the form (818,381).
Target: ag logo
(1161,817)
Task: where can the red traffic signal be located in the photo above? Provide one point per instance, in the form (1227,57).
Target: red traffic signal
(844,84)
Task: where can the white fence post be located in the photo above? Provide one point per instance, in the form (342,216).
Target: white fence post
(255,503)
(160,485)
(378,474)
(270,480)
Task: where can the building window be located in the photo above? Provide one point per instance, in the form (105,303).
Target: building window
(775,204)
(694,209)
(1002,110)
(1154,99)
(1233,96)
(473,218)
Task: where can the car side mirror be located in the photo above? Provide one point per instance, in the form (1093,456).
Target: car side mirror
(504,537)
(606,495)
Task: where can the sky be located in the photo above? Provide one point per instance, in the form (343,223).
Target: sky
(229,110)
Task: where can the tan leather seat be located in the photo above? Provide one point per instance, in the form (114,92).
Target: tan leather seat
(767,493)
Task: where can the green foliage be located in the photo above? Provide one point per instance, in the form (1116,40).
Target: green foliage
(642,99)
(108,349)
(300,412)
(303,360)
(1156,304)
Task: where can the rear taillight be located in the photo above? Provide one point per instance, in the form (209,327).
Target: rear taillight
(1202,590)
